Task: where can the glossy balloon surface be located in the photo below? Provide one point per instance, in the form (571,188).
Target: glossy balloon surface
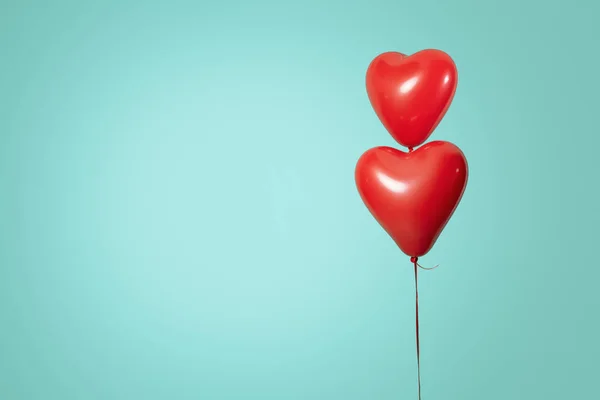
(412,194)
(411,94)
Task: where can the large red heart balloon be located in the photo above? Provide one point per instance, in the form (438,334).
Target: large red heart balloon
(411,94)
(412,194)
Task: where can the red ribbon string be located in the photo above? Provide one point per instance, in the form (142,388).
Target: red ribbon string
(415,261)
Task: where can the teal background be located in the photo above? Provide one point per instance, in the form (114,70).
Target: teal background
(178,216)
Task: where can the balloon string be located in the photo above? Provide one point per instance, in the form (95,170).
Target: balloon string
(415,261)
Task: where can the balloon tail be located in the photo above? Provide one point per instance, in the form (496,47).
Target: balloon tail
(427,269)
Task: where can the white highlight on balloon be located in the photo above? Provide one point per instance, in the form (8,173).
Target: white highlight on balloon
(409,85)
(391,184)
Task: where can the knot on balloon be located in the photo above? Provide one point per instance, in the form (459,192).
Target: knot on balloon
(414,260)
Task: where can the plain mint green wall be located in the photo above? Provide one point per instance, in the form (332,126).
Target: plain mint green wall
(178,216)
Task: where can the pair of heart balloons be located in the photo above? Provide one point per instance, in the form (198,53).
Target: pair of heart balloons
(412,194)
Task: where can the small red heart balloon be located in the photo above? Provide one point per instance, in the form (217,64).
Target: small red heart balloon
(411,94)
(412,195)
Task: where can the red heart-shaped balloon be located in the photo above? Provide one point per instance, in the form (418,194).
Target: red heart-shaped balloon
(411,94)
(412,195)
